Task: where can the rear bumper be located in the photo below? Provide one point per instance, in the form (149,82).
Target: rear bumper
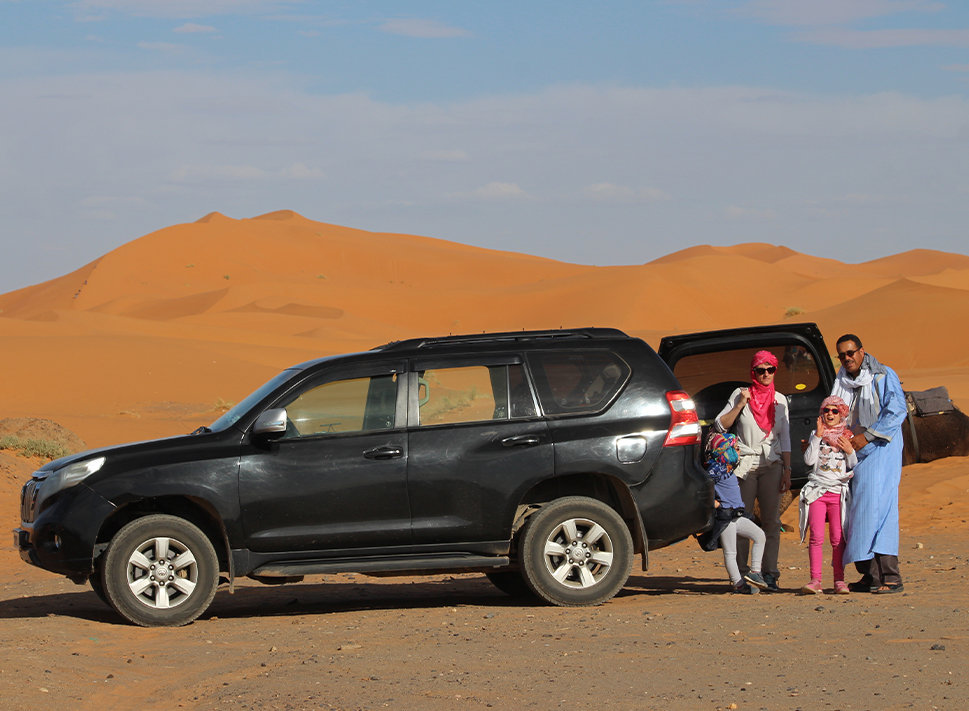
(676,501)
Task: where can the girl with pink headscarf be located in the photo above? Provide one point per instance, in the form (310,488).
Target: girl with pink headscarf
(825,497)
(757,415)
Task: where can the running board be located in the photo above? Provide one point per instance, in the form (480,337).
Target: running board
(421,564)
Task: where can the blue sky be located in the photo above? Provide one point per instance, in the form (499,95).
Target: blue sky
(593,132)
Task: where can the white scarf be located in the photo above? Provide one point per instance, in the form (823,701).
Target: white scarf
(862,388)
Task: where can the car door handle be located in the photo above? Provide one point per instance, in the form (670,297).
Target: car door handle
(521,441)
(384,453)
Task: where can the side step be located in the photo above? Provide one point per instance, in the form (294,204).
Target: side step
(421,564)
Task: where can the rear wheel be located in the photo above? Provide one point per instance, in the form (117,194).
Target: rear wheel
(159,571)
(576,551)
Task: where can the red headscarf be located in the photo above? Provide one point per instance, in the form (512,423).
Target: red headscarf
(762,403)
(831,434)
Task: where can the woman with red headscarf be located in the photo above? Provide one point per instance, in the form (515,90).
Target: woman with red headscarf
(758,417)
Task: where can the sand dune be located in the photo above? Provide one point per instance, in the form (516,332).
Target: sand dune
(158,334)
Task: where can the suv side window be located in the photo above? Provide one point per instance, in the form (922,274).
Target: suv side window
(473,393)
(339,406)
(577,382)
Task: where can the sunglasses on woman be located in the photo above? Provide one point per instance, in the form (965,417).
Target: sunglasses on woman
(762,370)
(832,410)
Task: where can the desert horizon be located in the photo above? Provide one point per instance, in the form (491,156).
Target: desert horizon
(155,337)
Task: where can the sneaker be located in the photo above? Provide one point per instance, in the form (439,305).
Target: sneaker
(742,588)
(840,588)
(771,581)
(863,585)
(756,579)
(812,588)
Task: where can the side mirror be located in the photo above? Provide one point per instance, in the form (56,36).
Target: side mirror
(271,423)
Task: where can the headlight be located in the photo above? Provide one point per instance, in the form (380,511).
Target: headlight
(70,475)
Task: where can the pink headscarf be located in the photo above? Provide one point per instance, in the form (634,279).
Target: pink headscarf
(762,403)
(831,434)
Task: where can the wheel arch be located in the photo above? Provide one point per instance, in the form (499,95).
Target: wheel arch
(194,510)
(595,485)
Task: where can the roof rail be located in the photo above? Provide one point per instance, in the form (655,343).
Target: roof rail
(505,336)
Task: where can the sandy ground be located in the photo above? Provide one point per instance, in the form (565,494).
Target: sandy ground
(673,639)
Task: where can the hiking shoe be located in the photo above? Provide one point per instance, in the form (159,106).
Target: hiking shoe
(840,588)
(742,588)
(771,581)
(756,579)
(812,588)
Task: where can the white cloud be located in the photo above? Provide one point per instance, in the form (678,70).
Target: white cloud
(609,192)
(830,12)
(735,212)
(93,9)
(192,28)
(301,171)
(167,47)
(875,39)
(498,191)
(428,29)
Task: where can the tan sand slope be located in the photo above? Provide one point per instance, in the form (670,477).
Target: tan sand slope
(158,335)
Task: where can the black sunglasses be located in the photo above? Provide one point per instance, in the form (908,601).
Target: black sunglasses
(847,354)
(832,410)
(762,370)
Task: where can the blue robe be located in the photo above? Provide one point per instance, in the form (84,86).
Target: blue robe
(873,514)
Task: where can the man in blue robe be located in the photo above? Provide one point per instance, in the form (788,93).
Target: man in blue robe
(874,395)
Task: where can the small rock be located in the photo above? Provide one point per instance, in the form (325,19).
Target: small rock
(937,647)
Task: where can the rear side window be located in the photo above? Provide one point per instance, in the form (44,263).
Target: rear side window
(577,382)
(474,393)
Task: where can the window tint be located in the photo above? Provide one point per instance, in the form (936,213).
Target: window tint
(474,393)
(577,382)
(355,405)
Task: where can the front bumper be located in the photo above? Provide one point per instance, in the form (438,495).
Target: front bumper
(62,536)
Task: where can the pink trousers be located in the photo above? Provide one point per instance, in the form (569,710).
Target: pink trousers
(827,508)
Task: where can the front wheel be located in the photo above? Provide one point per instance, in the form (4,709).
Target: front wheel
(576,551)
(160,571)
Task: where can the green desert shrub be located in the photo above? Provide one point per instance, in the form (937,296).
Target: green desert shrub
(44,448)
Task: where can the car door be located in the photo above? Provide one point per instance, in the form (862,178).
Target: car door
(476,441)
(337,479)
(710,365)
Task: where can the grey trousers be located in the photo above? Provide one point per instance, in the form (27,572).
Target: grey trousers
(764,485)
(744,529)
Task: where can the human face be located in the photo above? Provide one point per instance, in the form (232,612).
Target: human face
(831,416)
(764,373)
(851,354)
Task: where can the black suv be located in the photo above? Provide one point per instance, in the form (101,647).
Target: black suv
(544,459)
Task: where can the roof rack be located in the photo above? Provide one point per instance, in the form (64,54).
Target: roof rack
(505,336)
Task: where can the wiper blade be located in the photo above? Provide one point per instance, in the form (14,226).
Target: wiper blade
(201,430)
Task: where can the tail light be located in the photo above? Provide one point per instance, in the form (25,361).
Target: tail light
(684,423)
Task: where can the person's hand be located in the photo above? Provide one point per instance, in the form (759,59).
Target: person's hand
(859,441)
(744,397)
(785,479)
(820,428)
(845,443)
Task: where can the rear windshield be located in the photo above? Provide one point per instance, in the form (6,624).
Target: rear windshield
(577,382)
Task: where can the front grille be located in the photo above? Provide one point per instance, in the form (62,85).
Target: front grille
(28,499)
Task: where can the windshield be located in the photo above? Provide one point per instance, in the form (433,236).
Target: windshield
(251,400)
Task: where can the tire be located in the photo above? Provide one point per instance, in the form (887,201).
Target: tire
(576,551)
(510,582)
(98,586)
(177,592)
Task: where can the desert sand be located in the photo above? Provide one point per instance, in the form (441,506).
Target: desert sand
(162,334)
